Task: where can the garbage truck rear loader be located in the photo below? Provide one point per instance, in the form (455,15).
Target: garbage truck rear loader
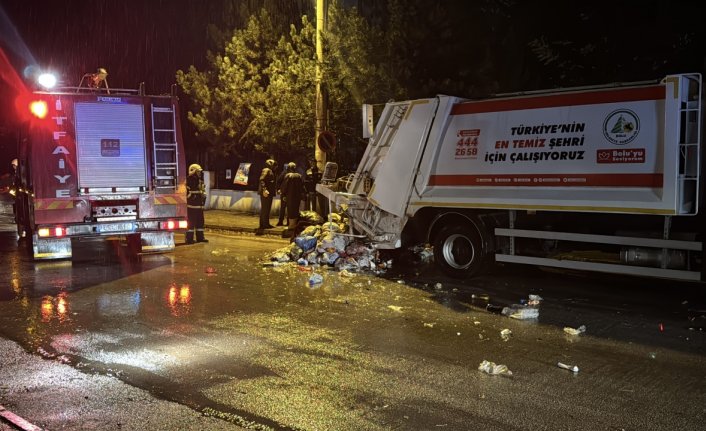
(601,179)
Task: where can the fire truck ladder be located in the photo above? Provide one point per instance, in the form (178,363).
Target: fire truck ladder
(166,168)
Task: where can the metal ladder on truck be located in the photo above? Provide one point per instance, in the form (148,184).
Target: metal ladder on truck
(166,168)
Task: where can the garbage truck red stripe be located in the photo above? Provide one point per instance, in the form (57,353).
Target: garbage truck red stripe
(568,99)
(549,180)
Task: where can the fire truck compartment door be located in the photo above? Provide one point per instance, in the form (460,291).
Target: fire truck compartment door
(110,141)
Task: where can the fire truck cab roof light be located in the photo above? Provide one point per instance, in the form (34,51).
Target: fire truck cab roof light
(47,80)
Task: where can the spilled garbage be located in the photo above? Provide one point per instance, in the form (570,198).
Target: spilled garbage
(572,368)
(575,331)
(319,244)
(494,369)
(526,309)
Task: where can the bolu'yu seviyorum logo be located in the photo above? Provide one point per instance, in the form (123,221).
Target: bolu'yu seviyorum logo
(621,127)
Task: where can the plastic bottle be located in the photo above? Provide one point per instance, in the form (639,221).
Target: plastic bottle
(315,279)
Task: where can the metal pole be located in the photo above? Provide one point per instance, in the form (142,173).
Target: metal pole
(321,108)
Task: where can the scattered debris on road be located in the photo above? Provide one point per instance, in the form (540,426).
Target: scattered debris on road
(575,331)
(526,309)
(572,368)
(494,369)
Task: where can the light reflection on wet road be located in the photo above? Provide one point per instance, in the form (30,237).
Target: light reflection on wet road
(208,327)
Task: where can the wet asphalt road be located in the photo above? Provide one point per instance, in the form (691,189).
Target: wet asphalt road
(208,338)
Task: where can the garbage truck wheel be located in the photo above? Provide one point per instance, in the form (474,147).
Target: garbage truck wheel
(458,250)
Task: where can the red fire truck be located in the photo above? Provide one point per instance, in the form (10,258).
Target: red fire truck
(97,163)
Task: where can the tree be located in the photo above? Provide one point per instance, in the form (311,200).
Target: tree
(226,94)
(258,94)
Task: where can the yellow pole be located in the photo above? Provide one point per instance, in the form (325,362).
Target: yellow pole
(321,108)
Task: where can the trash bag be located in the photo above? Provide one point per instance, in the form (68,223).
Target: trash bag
(494,369)
(331,227)
(357,248)
(312,257)
(311,217)
(311,231)
(306,243)
(521,312)
(327,243)
(329,258)
(281,255)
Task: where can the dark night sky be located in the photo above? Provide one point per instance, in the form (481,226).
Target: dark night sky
(135,40)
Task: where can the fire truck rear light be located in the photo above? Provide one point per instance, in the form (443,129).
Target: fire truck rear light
(174,224)
(54,231)
(38,108)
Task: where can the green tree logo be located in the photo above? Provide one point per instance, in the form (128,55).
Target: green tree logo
(624,129)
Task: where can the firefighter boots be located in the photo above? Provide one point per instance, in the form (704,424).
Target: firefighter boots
(189,237)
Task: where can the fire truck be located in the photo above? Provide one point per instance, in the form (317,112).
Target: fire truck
(97,163)
(601,178)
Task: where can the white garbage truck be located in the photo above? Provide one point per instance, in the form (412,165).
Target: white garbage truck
(601,178)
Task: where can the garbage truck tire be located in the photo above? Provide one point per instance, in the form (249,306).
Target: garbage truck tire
(459,251)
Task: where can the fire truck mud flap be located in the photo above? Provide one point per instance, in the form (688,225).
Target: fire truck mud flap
(53,248)
(154,242)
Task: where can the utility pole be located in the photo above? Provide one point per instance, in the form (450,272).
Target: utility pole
(321,99)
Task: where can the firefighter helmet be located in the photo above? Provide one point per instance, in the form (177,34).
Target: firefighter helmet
(194,169)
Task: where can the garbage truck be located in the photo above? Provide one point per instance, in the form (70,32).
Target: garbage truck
(99,163)
(601,178)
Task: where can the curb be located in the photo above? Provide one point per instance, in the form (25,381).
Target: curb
(17,421)
(276,233)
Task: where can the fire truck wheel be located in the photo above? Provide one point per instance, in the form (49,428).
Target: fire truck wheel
(458,250)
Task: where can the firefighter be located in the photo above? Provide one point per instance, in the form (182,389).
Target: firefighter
(195,200)
(293,191)
(16,191)
(266,190)
(312,178)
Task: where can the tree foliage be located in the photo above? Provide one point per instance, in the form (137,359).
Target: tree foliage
(258,94)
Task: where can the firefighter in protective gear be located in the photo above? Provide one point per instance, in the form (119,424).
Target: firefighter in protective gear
(195,200)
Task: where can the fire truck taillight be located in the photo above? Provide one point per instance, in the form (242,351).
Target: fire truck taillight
(39,108)
(173,224)
(56,231)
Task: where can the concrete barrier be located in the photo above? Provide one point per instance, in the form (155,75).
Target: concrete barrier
(237,200)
